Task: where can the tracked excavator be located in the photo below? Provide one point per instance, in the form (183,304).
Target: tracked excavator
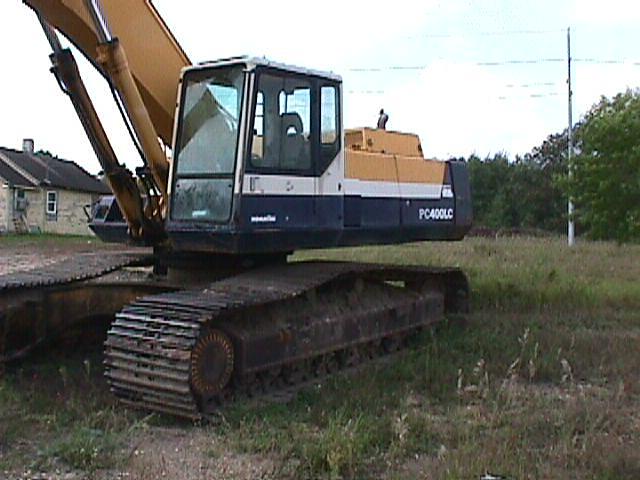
(245,161)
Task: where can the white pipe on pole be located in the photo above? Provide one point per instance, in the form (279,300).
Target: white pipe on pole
(571,227)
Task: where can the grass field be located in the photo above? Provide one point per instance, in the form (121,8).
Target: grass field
(540,382)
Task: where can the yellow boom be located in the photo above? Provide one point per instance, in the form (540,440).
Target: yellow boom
(129,43)
(154,56)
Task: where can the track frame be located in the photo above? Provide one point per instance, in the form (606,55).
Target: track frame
(285,323)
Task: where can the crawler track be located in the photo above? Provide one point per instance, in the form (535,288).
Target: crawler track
(265,331)
(72,269)
(39,304)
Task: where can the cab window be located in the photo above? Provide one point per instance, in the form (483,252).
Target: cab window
(329,116)
(329,125)
(282,125)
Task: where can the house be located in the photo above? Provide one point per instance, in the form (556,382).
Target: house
(40,193)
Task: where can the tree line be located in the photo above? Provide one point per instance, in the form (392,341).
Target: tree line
(603,179)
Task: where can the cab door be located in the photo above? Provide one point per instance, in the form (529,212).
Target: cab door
(279,183)
(329,192)
(207,145)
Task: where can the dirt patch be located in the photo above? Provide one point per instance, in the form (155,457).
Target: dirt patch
(190,454)
(11,262)
(28,252)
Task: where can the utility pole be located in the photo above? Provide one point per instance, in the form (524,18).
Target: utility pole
(571,228)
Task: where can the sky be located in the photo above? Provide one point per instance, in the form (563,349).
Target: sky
(468,76)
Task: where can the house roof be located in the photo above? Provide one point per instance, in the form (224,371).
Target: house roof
(14,177)
(48,171)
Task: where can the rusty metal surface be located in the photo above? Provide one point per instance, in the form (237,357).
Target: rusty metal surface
(40,304)
(286,323)
(79,267)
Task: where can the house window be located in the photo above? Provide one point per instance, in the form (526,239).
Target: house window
(52,203)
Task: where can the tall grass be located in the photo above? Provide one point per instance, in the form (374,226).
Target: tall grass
(62,411)
(514,274)
(540,382)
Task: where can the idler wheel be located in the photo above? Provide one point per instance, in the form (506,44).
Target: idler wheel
(211,363)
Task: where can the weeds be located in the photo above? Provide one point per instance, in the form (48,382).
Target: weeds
(523,274)
(541,382)
(85,449)
(61,412)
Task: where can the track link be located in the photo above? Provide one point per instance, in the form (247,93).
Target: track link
(286,324)
(40,303)
(75,268)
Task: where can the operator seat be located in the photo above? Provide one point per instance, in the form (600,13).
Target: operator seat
(292,141)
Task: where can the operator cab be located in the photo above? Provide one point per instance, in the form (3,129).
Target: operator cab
(253,139)
(261,167)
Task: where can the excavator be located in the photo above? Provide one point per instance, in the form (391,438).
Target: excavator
(245,161)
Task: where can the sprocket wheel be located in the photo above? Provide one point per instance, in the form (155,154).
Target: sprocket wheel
(212,361)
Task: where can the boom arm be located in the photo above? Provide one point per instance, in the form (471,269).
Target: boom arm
(154,56)
(120,180)
(145,76)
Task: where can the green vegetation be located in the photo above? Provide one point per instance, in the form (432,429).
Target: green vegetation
(605,181)
(539,382)
(512,274)
(62,413)
(522,193)
(532,191)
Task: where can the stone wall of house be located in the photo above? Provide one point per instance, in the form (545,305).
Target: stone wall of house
(70,218)
(5,208)
(35,210)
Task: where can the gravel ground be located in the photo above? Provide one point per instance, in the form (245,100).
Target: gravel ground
(26,253)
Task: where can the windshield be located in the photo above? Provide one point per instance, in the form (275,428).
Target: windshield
(207,145)
(210,118)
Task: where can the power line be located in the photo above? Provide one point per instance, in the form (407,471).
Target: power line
(531,85)
(499,97)
(533,95)
(600,61)
(511,86)
(520,62)
(391,68)
(386,69)
(485,34)
(481,64)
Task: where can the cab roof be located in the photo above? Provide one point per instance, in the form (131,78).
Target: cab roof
(253,62)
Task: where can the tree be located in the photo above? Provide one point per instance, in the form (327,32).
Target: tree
(47,153)
(605,179)
(546,196)
(521,193)
(489,191)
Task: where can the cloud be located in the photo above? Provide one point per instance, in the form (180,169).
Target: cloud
(454,106)
(457,110)
(611,12)
(592,83)
(331,34)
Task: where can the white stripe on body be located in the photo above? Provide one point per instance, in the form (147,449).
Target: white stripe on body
(272,185)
